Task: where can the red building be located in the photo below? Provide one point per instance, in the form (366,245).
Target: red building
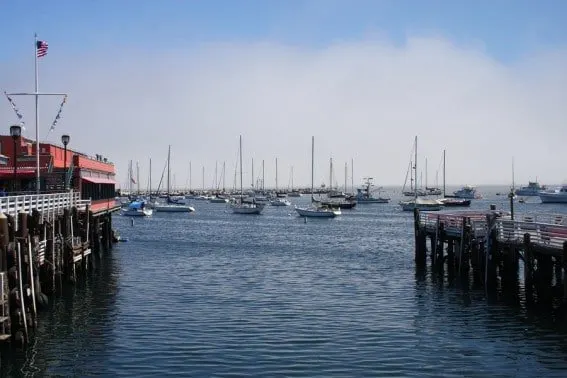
(93,177)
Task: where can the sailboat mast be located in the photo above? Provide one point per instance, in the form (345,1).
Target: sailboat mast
(150,185)
(216,174)
(415,170)
(263,187)
(443,173)
(137,178)
(223,175)
(292,178)
(330,174)
(190,176)
(352,174)
(312,164)
(425,173)
(203,179)
(168,156)
(276,175)
(240,149)
(252,173)
(345,176)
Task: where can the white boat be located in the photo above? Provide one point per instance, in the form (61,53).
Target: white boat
(280,202)
(533,189)
(137,209)
(173,203)
(218,200)
(421,204)
(312,210)
(466,192)
(241,207)
(554,196)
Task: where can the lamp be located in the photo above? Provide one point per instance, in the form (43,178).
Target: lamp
(65,140)
(15,132)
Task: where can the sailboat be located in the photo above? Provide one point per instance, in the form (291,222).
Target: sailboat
(278,201)
(316,211)
(419,203)
(452,201)
(136,208)
(241,207)
(171,205)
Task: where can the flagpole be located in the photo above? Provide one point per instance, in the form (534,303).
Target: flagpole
(37,183)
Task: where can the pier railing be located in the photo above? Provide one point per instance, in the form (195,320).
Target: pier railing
(49,205)
(545,230)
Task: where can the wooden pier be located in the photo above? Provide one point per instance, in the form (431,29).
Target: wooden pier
(494,245)
(46,241)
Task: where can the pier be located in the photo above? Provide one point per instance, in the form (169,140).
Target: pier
(47,240)
(494,245)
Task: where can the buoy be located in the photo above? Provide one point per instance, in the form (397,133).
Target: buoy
(132,221)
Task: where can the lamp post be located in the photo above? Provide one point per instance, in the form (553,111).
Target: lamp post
(15,132)
(65,140)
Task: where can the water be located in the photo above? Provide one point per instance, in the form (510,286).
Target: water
(218,294)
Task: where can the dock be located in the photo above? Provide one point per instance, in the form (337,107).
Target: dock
(47,240)
(494,244)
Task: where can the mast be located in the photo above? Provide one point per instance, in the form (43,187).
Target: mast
(240,149)
(168,156)
(346,176)
(190,176)
(263,187)
(426,173)
(276,175)
(38,180)
(352,174)
(137,178)
(223,174)
(252,173)
(216,180)
(330,174)
(443,173)
(415,170)
(292,178)
(203,179)
(150,186)
(312,164)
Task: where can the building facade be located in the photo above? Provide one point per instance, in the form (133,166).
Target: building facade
(60,170)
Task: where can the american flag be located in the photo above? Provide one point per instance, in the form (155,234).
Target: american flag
(41,47)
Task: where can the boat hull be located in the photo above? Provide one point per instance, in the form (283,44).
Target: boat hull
(137,213)
(372,200)
(173,209)
(553,197)
(247,209)
(317,213)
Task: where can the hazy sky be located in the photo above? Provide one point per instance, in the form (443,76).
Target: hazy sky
(485,80)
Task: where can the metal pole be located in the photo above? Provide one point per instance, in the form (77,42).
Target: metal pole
(15,167)
(65,168)
(38,179)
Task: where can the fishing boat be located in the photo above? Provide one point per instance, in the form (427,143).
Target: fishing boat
(314,211)
(241,207)
(364,194)
(533,189)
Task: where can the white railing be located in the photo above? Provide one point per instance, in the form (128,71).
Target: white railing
(551,235)
(49,205)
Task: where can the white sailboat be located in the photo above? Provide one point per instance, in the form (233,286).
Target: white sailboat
(419,203)
(241,207)
(171,205)
(316,211)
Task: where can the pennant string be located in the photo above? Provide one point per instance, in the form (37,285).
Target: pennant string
(15,108)
(57,117)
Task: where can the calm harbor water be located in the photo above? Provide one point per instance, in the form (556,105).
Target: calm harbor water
(218,294)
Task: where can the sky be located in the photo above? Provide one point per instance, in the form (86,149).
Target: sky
(484,80)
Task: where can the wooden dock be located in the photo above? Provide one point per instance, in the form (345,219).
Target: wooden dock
(46,241)
(493,244)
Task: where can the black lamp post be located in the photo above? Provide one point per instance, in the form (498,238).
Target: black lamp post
(15,132)
(65,140)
